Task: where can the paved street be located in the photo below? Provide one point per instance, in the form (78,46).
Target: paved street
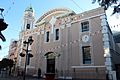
(5,76)
(18,78)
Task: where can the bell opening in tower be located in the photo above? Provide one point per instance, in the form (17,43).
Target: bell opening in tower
(28,26)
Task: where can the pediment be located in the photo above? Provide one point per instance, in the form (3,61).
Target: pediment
(53,14)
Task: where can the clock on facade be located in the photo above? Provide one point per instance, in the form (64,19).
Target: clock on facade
(85,38)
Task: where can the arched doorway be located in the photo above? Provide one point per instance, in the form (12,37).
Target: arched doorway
(50,60)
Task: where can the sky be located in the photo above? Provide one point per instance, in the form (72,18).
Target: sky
(14,9)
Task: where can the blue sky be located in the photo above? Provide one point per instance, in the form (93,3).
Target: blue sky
(13,11)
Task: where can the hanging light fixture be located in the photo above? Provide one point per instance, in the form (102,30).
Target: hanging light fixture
(3,25)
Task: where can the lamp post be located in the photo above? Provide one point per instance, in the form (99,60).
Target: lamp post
(28,55)
(3,25)
(14,65)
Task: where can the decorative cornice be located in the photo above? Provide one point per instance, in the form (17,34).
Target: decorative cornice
(53,11)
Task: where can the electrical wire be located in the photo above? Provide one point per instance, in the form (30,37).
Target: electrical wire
(77,5)
(83,10)
(87,14)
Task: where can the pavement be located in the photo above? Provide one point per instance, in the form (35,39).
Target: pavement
(5,76)
(18,78)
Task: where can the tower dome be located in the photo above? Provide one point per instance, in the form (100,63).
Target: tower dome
(29,8)
(28,19)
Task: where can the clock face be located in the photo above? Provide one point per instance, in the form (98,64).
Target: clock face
(85,38)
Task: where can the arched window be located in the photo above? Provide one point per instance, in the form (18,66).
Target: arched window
(28,26)
(57,34)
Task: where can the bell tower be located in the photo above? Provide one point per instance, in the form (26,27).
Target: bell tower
(28,18)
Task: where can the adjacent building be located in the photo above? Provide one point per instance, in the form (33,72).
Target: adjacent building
(13,53)
(68,44)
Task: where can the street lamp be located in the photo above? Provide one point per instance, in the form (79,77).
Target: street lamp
(28,55)
(3,25)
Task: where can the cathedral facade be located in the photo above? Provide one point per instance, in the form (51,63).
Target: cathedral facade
(68,44)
